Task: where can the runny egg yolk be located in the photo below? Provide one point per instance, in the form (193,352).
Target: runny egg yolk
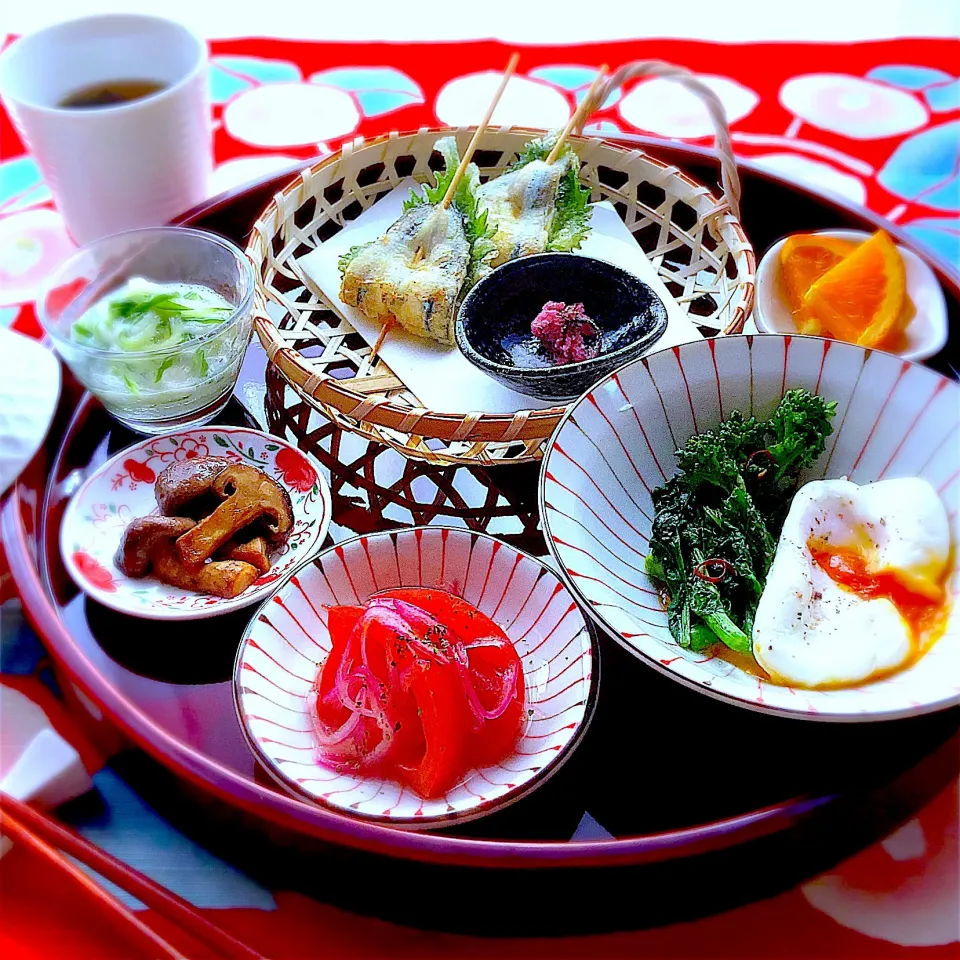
(856,589)
(849,569)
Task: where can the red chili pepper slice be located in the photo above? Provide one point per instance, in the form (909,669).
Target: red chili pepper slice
(701,570)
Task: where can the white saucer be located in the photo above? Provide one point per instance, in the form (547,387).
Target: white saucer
(926,333)
(29,391)
(123,489)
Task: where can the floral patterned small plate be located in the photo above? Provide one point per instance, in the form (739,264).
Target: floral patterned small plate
(122,489)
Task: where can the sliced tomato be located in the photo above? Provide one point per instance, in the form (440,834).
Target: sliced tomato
(340,624)
(391,660)
(401,660)
(455,613)
(490,668)
(440,706)
(490,654)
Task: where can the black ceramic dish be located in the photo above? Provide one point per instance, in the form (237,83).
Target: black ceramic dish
(493,323)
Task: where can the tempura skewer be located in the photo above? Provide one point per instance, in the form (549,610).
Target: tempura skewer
(472,146)
(465,161)
(538,203)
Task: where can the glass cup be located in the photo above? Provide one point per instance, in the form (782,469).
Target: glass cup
(154,390)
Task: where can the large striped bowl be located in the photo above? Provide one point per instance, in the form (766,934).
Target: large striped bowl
(894,419)
(286,642)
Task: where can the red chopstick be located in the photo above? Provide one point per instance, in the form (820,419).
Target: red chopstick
(43,834)
(139,931)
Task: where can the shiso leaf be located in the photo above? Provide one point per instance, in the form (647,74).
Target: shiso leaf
(478,231)
(571,218)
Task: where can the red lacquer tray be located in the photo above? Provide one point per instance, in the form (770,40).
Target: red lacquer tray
(707,805)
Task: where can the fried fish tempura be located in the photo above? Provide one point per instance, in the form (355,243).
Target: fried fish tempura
(386,280)
(521,204)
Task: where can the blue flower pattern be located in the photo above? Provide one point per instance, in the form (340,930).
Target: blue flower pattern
(379,90)
(21,185)
(574,78)
(908,77)
(943,97)
(923,168)
(941,235)
(229,76)
(939,89)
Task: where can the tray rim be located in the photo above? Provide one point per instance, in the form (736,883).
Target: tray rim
(284,810)
(265,804)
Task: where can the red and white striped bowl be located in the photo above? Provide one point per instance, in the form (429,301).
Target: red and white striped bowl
(285,644)
(894,419)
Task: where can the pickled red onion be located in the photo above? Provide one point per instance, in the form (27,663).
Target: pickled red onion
(337,736)
(400,716)
(473,698)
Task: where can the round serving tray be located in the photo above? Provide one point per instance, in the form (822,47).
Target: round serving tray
(691,792)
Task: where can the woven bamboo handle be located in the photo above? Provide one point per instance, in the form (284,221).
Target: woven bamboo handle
(729,177)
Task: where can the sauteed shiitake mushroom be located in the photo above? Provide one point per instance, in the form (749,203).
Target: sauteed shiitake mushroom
(218,521)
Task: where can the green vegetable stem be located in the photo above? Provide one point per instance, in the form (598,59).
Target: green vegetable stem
(716,523)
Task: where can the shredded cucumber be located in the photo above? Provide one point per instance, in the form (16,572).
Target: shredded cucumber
(143,316)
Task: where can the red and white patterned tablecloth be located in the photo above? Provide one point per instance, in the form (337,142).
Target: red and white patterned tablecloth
(876,122)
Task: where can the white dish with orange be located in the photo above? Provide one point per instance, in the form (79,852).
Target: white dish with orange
(808,284)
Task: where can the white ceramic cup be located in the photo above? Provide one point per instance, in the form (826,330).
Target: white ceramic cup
(133,164)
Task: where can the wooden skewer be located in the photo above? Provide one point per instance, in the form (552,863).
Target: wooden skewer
(390,323)
(468,156)
(578,115)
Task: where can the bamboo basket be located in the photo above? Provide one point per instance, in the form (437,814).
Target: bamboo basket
(694,240)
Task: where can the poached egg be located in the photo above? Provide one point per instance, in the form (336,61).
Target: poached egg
(856,581)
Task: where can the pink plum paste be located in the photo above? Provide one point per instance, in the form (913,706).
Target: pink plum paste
(568,335)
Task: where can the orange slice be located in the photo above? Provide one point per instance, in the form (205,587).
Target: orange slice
(804,259)
(861,299)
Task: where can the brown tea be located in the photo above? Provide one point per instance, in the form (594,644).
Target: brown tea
(109,93)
